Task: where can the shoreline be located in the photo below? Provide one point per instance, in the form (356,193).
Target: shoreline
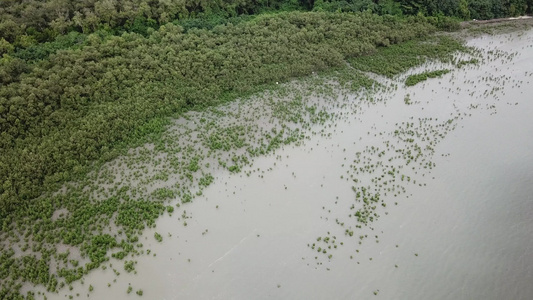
(424,233)
(336,122)
(524,19)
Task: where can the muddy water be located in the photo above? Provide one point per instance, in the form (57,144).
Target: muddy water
(464,231)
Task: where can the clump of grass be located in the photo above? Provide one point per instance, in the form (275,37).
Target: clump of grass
(158,237)
(396,59)
(407,99)
(129,266)
(416,78)
(462,63)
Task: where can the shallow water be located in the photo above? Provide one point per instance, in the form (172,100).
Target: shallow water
(466,234)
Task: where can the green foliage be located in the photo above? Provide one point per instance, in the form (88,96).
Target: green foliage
(234,169)
(170,209)
(407,99)
(72,104)
(138,214)
(226,138)
(463,11)
(416,78)
(210,21)
(399,58)
(462,63)
(25,41)
(5,47)
(129,266)
(98,247)
(10,70)
(445,23)
(25,24)
(73,40)
(163,194)
(77,105)
(43,20)
(346,6)
(206,180)
(119,255)
(158,237)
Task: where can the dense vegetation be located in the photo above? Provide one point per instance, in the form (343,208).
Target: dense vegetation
(80,81)
(416,78)
(80,104)
(75,106)
(25,23)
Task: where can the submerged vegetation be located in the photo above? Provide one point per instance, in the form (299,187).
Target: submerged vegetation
(75,195)
(104,214)
(80,105)
(397,59)
(416,78)
(394,159)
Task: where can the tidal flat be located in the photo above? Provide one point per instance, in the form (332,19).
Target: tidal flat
(306,192)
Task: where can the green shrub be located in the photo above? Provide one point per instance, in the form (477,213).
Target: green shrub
(416,78)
